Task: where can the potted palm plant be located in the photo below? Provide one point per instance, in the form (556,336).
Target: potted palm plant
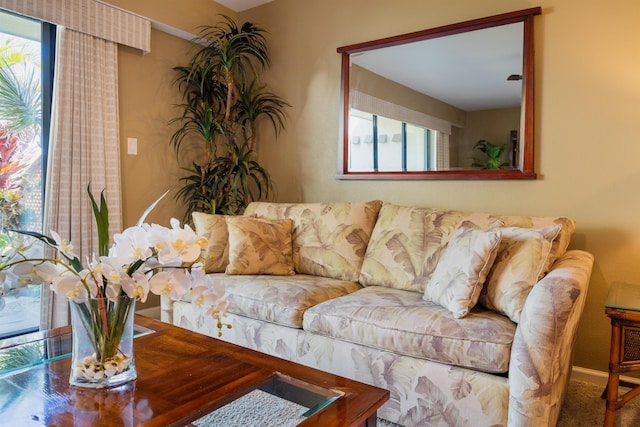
(223,101)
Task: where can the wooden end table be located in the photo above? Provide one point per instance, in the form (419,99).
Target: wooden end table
(623,307)
(182,376)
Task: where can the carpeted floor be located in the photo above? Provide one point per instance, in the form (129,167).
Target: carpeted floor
(583,407)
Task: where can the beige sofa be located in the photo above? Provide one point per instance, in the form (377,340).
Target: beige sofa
(469,319)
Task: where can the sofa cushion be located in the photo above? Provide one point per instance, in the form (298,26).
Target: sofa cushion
(214,228)
(407,242)
(520,263)
(329,239)
(458,278)
(259,246)
(280,299)
(402,322)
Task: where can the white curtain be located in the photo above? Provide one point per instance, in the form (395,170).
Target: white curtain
(442,151)
(84,150)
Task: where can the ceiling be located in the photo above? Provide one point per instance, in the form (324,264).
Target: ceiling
(240,5)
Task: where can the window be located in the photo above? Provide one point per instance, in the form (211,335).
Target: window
(26,70)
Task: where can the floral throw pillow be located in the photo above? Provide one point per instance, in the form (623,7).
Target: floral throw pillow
(462,269)
(521,261)
(260,246)
(214,228)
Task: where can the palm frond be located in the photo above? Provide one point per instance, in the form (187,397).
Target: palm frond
(20,99)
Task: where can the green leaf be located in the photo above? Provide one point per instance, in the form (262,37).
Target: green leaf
(494,151)
(102,220)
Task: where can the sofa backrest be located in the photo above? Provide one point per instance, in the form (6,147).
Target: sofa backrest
(406,242)
(329,239)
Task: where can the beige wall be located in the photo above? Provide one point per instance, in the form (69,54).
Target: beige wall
(587,128)
(587,92)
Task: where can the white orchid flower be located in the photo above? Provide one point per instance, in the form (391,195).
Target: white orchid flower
(132,244)
(157,236)
(197,274)
(4,286)
(202,284)
(173,283)
(71,286)
(112,291)
(17,246)
(63,246)
(183,243)
(208,293)
(48,270)
(218,309)
(15,281)
(204,291)
(206,297)
(203,242)
(216,286)
(176,245)
(24,274)
(198,296)
(112,271)
(136,286)
(166,250)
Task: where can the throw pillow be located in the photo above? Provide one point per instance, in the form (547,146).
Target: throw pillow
(214,228)
(329,239)
(521,262)
(462,269)
(260,246)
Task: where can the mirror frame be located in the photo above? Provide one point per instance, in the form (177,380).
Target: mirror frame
(526,171)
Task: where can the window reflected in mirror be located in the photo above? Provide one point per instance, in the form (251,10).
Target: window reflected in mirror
(382,144)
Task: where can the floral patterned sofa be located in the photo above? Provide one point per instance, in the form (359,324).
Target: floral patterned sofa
(469,319)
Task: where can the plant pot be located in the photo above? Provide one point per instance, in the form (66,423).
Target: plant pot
(102,332)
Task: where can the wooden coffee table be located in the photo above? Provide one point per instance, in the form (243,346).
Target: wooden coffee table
(182,376)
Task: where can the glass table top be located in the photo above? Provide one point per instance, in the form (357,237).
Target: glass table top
(283,401)
(33,349)
(623,296)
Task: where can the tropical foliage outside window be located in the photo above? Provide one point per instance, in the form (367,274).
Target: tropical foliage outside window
(20,156)
(20,129)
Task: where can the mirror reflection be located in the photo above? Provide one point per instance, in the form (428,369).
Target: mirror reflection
(441,103)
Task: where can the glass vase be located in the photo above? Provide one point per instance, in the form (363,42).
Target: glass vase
(102,354)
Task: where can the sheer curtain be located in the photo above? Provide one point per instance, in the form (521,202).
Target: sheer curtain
(84,150)
(442,151)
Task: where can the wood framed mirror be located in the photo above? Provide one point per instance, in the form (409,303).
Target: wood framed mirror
(441,103)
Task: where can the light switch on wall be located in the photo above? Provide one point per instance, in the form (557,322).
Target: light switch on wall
(132,146)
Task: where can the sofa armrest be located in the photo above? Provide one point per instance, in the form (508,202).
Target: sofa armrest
(543,344)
